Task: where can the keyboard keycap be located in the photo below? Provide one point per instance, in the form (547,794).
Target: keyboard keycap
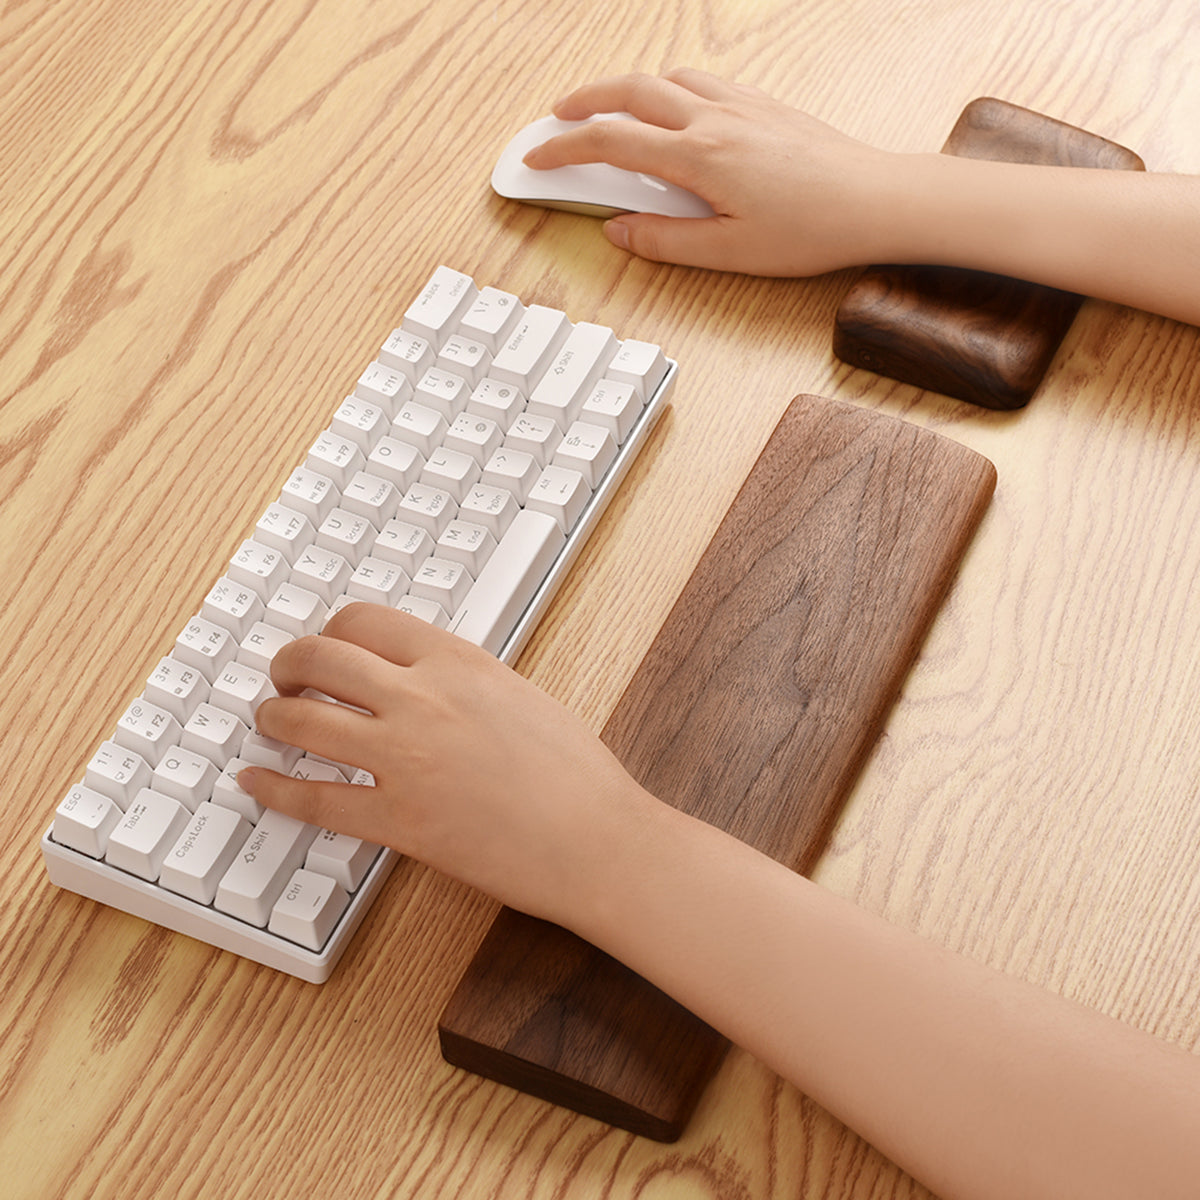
(84,820)
(507,584)
(210,841)
(151,826)
(263,866)
(308,909)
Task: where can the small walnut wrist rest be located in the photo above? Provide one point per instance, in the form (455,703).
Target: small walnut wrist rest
(978,337)
(754,710)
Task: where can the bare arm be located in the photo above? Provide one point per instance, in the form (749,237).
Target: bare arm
(942,1063)
(795,197)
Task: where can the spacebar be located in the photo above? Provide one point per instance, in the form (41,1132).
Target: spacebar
(509,580)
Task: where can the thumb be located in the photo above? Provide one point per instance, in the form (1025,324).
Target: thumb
(688,241)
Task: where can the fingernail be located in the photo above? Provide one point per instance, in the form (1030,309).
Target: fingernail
(617,232)
(246,778)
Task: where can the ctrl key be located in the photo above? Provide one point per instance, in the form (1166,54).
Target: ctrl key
(311,905)
(84,820)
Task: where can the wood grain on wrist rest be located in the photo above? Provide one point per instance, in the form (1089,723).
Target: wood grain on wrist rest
(753,709)
(984,338)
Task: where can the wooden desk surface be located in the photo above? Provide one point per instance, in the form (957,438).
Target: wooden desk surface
(210,216)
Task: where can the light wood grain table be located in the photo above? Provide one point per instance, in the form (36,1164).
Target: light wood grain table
(210,216)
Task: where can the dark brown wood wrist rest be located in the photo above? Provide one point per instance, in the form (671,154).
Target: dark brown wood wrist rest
(975,336)
(753,709)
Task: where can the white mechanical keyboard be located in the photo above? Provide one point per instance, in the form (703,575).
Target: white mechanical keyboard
(458,482)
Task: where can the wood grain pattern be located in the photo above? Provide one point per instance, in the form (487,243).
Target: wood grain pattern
(753,710)
(976,336)
(209,216)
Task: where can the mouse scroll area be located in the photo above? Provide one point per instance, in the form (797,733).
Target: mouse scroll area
(593,189)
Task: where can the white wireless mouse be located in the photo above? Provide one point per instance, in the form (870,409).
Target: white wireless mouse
(594,189)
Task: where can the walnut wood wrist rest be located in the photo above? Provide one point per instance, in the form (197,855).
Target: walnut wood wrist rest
(978,337)
(754,710)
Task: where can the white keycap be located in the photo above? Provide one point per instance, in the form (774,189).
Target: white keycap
(232,605)
(263,866)
(378,581)
(404,544)
(343,858)
(562,493)
(429,507)
(421,427)
(147,730)
(641,364)
(310,494)
(465,358)
(370,496)
(312,767)
(588,449)
(493,508)
(500,402)
(117,773)
(308,909)
(210,841)
(398,462)
(444,582)
(536,340)
(240,689)
(228,793)
(537,436)
(429,611)
(513,471)
(186,776)
(480,437)
(151,826)
(258,567)
(576,369)
(346,533)
(261,751)
(508,582)
(386,387)
(409,354)
(259,647)
(443,391)
(615,406)
(360,422)
(336,457)
(205,646)
(442,302)
(492,317)
(466,543)
(296,610)
(322,572)
(284,529)
(451,471)
(84,820)
(215,733)
(176,687)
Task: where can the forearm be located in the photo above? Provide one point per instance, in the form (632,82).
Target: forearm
(1126,236)
(979,1084)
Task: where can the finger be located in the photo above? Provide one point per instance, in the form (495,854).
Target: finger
(335,667)
(703,84)
(395,636)
(650,98)
(709,242)
(343,807)
(632,145)
(331,730)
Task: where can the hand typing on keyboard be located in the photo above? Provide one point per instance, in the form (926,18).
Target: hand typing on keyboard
(476,771)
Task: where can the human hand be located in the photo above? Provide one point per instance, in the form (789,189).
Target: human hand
(792,196)
(477,772)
